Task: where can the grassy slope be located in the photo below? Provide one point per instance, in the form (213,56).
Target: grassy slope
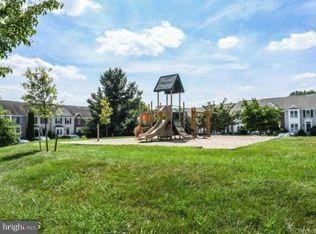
(265,187)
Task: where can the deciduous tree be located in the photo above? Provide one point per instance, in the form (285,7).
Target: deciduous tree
(105,116)
(41,95)
(222,115)
(18,20)
(106,112)
(260,118)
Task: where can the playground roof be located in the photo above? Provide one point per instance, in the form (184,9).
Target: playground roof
(169,84)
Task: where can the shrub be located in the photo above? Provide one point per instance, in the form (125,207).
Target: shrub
(50,134)
(283,130)
(301,132)
(312,131)
(80,133)
(242,131)
(8,134)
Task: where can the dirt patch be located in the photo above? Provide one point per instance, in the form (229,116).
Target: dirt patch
(214,142)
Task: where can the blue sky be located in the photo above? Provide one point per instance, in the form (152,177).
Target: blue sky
(232,49)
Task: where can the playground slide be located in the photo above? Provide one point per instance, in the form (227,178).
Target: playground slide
(157,131)
(150,130)
(181,130)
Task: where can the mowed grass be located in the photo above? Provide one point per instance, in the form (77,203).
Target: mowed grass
(267,187)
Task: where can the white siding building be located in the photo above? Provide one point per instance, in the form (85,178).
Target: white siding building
(69,121)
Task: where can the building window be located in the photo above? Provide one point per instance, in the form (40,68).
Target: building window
(43,121)
(294,127)
(67,120)
(79,121)
(18,130)
(58,120)
(308,126)
(294,114)
(35,120)
(18,120)
(59,131)
(308,113)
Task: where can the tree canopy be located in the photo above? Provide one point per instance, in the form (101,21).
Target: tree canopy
(8,134)
(259,118)
(124,98)
(222,115)
(41,94)
(18,20)
(304,92)
(106,112)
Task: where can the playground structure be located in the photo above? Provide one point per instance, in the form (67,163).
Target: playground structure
(205,122)
(167,122)
(145,122)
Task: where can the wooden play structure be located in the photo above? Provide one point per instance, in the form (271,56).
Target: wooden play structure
(145,122)
(205,129)
(167,121)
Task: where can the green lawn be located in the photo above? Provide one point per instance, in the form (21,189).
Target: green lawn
(267,187)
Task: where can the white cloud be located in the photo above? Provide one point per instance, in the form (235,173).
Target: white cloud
(296,41)
(152,41)
(78,7)
(241,10)
(169,66)
(228,42)
(19,64)
(303,77)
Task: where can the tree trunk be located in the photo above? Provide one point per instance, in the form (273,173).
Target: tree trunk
(98,132)
(56,141)
(40,139)
(46,132)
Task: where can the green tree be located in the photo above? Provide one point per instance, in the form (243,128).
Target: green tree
(106,112)
(30,126)
(124,98)
(18,20)
(222,115)
(105,116)
(41,95)
(304,92)
(259,118)
(8,134)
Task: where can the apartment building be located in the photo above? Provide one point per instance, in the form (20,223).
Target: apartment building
(69,120)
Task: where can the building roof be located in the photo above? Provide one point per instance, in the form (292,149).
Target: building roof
(14,108)
(20,108)
(300,102)
(169,84)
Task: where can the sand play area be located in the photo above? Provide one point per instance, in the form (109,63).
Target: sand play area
(214,142)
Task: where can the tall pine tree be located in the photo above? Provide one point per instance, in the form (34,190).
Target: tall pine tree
(30,126)
(124,98)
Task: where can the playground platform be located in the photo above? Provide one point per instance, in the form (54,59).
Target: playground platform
(214,142)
